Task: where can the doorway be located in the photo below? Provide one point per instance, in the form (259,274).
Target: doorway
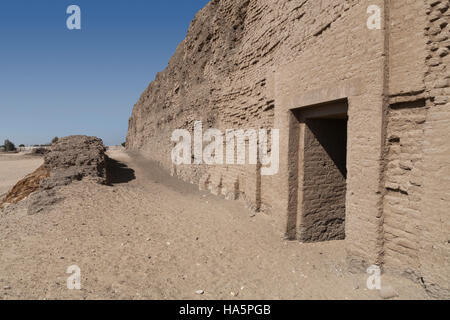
(322,171)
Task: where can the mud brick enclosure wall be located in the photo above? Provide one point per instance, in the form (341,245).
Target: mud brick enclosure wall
(363,114)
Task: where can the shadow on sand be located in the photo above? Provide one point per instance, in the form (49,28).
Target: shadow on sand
(118,172)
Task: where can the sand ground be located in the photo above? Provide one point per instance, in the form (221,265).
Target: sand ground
(14,167)
(150,236)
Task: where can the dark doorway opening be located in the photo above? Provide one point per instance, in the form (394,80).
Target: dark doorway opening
(323,150)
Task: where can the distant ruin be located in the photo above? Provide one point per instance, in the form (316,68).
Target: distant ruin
(69,159)
(363,114)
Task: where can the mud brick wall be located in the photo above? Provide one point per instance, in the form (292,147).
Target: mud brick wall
(249,63)
(416,223)
(434,252)
(223,75)
(346,62)
(404,185)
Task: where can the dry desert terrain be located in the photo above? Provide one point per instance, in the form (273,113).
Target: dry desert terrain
(15,166)
(151,236)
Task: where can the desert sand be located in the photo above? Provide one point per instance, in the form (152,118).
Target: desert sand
(15,166)
(151,236)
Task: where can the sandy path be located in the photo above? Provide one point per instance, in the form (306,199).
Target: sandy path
(14,167)
(154,237)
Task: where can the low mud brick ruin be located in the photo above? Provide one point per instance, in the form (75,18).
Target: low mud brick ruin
(364,114)
(69,159)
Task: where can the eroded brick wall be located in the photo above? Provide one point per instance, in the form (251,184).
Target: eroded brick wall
(346,62)
(242,64)
(222,74)
(434,251)
(404,186)
(416,217)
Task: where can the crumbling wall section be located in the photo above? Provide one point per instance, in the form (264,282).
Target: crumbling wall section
(404,186)
(245,63)
(434,252)
(223,75)
(416,227)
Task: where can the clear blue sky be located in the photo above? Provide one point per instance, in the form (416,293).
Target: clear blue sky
(57,82)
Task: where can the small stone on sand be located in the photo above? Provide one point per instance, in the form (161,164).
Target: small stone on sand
(387,292)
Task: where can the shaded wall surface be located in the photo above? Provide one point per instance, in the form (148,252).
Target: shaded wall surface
(324,182)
